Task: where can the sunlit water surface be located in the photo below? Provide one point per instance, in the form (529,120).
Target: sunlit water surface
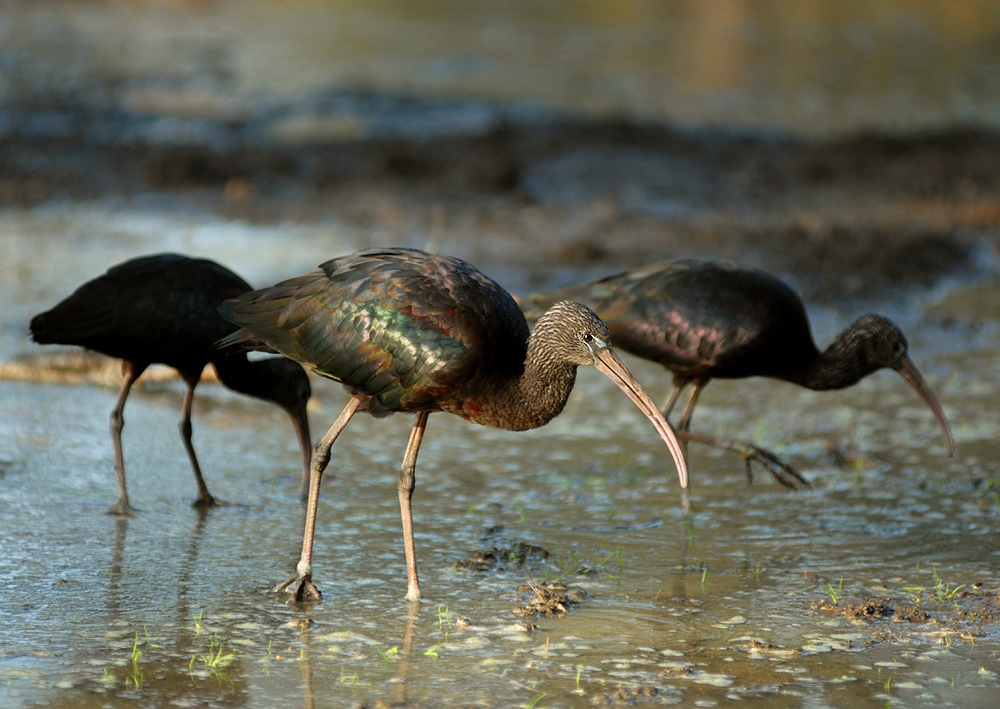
(175,606)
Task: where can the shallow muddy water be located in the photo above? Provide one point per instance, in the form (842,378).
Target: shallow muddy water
(256,137)
(173,605)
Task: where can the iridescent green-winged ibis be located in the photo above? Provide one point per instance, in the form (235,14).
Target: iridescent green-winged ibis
(162,309)
(409,331)
(706,320)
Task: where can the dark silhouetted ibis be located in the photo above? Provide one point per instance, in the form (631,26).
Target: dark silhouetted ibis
(162,309)
(706,320)
(409,331)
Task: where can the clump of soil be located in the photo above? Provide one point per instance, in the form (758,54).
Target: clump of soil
(872,609)
(910,614)
(977,605)
(626,696)
(761,646)
(852,458)
(968,612)
(547,599)
(501,558)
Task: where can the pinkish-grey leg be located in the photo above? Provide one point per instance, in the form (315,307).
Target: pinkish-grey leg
(302,578)
(131,371)
(406,483)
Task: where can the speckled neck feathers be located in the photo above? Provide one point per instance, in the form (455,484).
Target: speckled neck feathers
(554,351)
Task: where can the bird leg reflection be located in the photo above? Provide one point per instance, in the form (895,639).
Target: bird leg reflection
(307,667)
(302,578)
(404,655)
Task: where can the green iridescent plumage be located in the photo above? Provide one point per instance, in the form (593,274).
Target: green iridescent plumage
(397,328)
(406,330)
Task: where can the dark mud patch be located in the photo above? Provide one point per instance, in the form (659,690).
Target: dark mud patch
(875,609)
(853,217)
(552,599)
(935,615)
(850,457)
(516,556)
(630,696)
(764,647)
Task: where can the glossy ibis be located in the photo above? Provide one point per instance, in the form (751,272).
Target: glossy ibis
(409,331)
(163,309)
(706,320)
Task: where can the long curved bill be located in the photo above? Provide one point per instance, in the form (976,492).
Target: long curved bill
(614,369)
(912,375)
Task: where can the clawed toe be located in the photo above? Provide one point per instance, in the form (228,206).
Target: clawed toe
(122,509)
(782,472)
(304,589)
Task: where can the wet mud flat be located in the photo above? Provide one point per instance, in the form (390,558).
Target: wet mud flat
(558,567)
(542,198)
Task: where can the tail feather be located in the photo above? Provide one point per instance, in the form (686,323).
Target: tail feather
(70,327)
(243,341)
(239,312)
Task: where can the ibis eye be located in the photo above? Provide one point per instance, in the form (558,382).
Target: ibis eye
(587,337)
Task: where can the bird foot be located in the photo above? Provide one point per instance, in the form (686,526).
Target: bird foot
(122,509)
(304,587)
(782,471)
(205,502)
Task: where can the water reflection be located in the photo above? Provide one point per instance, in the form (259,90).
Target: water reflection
(406,648)
(678,617)
(306,662)
(115,570)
